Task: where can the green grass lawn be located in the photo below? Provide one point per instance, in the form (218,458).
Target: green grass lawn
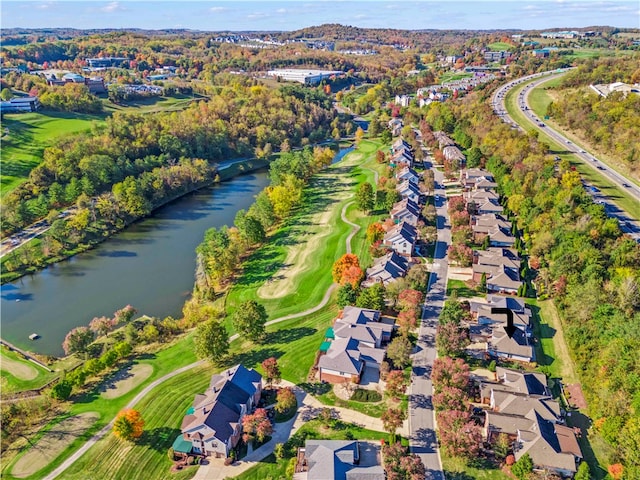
(153,104)
(325,197)
(453,76)
(457,469)
(499,46)
(13,383)
(270,467)
(28,135)
(617,194)
(461,288)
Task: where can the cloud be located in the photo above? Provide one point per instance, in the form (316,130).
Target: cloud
(361,16)
(257,15)
(45,6)
(112,7)
(218,9)
(282,10)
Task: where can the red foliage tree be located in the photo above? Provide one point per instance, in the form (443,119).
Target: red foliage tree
(352,275)
(392,419)
(396,383)
(271,370)
(448,372)
(285,399)
(410,299)
(456,204)
(459,219)
(102,325)
(616,470)
(460,436)
(407,320)
(450,398)
(451,340)
(461,254)
(256,426)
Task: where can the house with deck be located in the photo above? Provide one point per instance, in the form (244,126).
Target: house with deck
(401,238)
(406,211)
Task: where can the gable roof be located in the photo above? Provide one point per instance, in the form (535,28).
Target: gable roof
(517,345)
(342,460)
(402,231)
(531,383)
(518,404)
(406,206)
(343,356)
(388,268)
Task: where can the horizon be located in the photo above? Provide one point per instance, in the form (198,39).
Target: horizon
(286,16)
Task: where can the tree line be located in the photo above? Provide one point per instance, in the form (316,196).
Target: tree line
(582,260)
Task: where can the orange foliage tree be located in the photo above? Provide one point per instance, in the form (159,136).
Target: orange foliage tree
(347,270)
(128,425)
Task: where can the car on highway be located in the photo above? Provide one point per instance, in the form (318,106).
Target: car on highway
(626,185)
(600,167)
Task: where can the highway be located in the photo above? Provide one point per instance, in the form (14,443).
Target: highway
(629,221)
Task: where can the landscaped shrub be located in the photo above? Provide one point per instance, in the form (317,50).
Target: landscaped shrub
(362,395)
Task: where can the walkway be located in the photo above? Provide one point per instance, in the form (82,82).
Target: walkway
(81,451)
(309,408)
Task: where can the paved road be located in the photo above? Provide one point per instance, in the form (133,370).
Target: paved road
(629,221)
(423,439)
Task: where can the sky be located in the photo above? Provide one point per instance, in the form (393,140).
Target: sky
(238,15)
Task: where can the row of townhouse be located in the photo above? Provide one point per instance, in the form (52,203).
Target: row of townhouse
(355,346)
(520,405)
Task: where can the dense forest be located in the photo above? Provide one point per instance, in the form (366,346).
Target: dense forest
(239,121)
(611,122)
(580,259)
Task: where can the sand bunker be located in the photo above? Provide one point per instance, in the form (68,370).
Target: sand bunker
(126,380)
(20,370)
(53,444)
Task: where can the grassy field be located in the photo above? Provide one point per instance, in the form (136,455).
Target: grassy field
(292,271)
(294,342)
(617,194)
(453,76)
(26,135)
(499,46)
(457,469)
(19,374)
(462,290)
(153,104)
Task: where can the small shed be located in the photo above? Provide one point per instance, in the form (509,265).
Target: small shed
(181,447)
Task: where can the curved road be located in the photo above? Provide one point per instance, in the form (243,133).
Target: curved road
(629,221)
(82,450)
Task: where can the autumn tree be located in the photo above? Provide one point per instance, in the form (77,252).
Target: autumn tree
(459,434)
(399,464)
(407,320)
(249,319)
(410,299)
(256,426)
(451,340)
(365,197)
(359,135)
(392,419)
(448,372)
(399,351)
(271,371)
(375,232)
(211,341)
(346,268)
(285,400)
(78,340)
(124,315)
(460,254)
(396,383)
(450,398)
(102,325)
(128,425)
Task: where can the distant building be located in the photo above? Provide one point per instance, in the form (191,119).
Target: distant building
(20,104)
(541,52)
(402,100)
(490,56)
(563,34)
(107,62)
(305,76)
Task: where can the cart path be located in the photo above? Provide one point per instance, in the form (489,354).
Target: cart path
(82,450)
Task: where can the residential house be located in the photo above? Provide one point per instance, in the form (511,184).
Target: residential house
(402,100)
(518,347)
(468,176)
(453,154)
(356,348)
(552,447)
(443,140)
(395,125)
(504,280)
(387,269)
(408,174)
(401,238)
(488,206)
(213,424)
(401,159)
(481,225)
(406,210)
(493,259)
(400,144)
(339,460)
(409,190)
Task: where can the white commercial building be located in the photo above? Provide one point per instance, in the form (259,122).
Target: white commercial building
(306,76)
